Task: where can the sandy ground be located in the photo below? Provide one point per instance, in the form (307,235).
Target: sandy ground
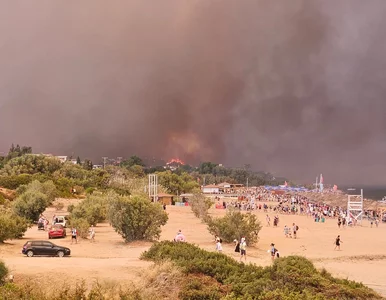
(110,259)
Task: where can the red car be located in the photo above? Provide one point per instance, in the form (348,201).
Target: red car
(57,231)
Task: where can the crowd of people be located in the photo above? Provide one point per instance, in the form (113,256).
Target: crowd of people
(287,203)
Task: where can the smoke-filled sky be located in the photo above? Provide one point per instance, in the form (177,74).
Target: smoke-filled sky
(297,88)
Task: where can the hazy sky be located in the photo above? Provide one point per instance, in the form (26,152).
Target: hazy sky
(294,87)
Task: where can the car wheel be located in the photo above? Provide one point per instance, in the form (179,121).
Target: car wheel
(30,253)
(60,253)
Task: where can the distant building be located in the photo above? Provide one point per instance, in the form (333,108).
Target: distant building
(166,199)
(73,161)
(62,158)
(211,189)
(97,166)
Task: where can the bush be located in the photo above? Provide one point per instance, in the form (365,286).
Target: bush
(201,288)
(30,205)
(12,182)
(137,218)
(2,199)
(235,225)
(200,205)
(79,189)
(89,191)
(11,226)
(31,164)
(3,272)
(281,281)
(93,208)
(47,188)
(81,225)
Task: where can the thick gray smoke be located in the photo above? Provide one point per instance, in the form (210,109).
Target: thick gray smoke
(293,87)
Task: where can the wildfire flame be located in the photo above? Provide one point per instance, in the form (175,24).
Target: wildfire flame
(175,161)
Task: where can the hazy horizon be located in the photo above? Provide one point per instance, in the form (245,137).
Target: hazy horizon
(294,88)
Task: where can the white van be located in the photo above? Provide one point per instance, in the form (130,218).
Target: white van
(61,220)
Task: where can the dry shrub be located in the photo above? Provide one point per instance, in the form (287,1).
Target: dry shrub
(161,281)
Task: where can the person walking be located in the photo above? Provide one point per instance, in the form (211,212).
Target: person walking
(219,245)
(237,245)
(243,249)
(295,229)
(92,234)
(337,243)
(74,235)
(274,252)
(268,220)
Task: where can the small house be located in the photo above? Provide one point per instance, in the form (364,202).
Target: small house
(166,199)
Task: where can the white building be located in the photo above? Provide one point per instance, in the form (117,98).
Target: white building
(62,158)
(211,189)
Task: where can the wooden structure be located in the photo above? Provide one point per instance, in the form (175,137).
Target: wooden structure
(166,199)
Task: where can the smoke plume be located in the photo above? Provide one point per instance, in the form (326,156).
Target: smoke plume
(292,87)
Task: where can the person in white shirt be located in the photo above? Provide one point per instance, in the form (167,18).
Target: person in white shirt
(218,246)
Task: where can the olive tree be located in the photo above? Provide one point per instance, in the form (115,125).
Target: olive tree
(137,218)
(235,225)
(30,205)
(12,226)
(200,205)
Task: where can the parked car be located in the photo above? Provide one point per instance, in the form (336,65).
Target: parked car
(45,248)
(57,231)
(61,220)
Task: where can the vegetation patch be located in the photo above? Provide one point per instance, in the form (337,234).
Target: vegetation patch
(292,277)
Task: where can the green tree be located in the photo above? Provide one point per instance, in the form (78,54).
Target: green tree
(132,161)
(207,167)
(3,272)
(78,161)
(200,205)
(235,225)
(93,208)
(31,164)
(177,184)
(81,225)
(11,226)
(30,205)
(12,182)
(87,164)
(137,171)
(137,218)
(47,188)
(17,151)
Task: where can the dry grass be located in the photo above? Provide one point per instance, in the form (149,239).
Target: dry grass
(160,281)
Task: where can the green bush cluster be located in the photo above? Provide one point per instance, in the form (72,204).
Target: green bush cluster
(3,272)
(93,208)
(81,225)
(12,226)
(12,182)
(136,217)
(291,277)
(33,199)
(235,225)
